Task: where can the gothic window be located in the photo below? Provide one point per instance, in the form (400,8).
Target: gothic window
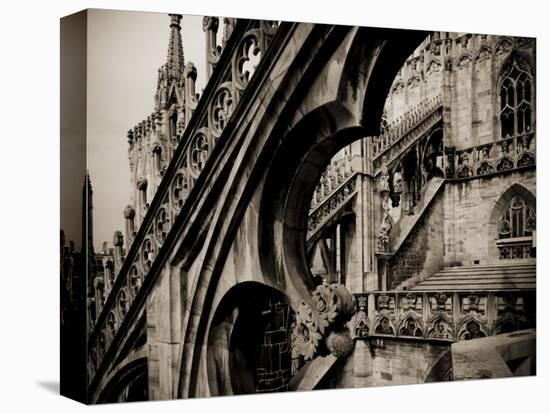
(517,219)
(516,225)
(516,98)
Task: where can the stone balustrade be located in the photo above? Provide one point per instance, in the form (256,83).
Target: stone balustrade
(332,178)
(406,129)
(442,315)
(231,73)
(495,157)
(344,189)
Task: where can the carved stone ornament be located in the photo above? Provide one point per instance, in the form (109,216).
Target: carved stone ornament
(382,243)
(360,321)
(434,66)
(440,300)
(210,23)
(483,55)
(464,62)
(397,182)
(321,330)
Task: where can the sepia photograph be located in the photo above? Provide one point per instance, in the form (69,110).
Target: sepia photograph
(259,206)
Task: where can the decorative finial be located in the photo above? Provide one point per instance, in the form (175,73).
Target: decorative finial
(175,60)
(175,20)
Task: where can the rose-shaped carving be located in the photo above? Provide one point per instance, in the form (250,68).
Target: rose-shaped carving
(305,335)
(306,341)
(333,306)
(325,310)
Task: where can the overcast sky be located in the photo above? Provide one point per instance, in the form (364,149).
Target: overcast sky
(125,49)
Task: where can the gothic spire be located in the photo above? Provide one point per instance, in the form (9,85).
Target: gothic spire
(175,60)
(87,215)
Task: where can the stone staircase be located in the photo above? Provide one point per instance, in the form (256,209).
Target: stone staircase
(406,224)
(501,276)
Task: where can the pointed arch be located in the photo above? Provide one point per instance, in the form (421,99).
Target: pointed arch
(248,345)
(126,382)
(484,53)
(516,91)
(441,369)
(511,224)
(464,60)
(433,153)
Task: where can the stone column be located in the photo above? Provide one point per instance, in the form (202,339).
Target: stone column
(99,286)
(190,93)
(108,274)
(210,27)
(142,190)
(129,215)
(118,241)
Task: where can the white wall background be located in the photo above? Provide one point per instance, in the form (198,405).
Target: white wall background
(30,208)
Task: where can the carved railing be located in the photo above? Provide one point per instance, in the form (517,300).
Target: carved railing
(233,70)
(401,134)
(332,178)
(331,204)
(442,315)
(495,157)
(515,248)
(335,188)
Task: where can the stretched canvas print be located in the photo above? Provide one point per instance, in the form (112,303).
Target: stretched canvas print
(255,206)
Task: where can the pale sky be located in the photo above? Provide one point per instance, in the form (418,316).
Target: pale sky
(125,49)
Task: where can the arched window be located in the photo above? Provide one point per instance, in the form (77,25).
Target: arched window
(516,225)
(516,98)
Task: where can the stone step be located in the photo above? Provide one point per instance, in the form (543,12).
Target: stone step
(487,269)
(482,277)
(440,276)
(474,287)
(476,282)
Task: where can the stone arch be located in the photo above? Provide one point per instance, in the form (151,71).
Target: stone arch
(245,319)
(410,324)
(440,326)
(501,203)
(471,327)
(338,116)
(504,45)
(289,187)
(428,157)
(375,58)
(484,53)
(464,60)
(526,59)
(129,377)
(441,369)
